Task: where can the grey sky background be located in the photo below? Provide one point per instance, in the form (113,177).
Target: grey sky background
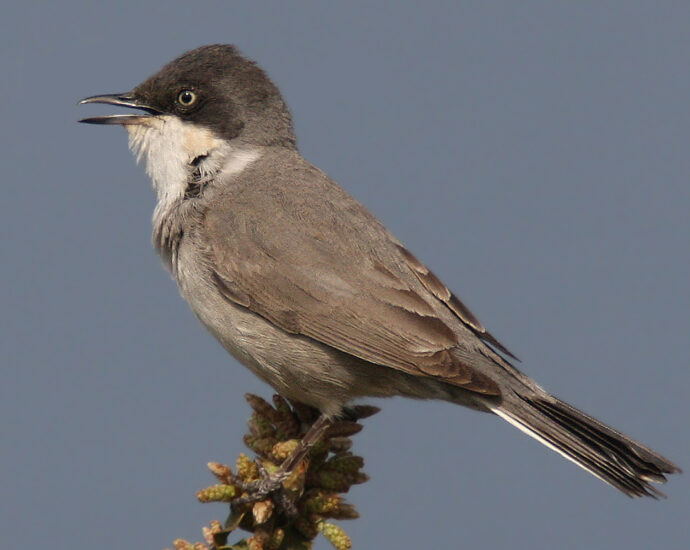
(533,154)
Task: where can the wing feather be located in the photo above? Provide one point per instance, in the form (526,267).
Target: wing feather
(330,271)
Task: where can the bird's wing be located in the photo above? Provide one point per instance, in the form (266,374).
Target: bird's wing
(313,261)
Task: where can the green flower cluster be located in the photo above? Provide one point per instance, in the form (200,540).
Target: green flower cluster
(290,518)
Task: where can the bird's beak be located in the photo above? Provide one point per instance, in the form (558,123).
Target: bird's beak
(123,100)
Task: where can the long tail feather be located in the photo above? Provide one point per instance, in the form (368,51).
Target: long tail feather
(602,451)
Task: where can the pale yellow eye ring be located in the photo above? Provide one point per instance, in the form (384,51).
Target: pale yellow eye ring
(186,98)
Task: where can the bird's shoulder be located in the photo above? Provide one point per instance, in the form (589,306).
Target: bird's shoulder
(281,189)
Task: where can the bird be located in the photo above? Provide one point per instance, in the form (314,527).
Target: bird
(304,286)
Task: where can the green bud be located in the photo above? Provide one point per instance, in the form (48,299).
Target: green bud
(217,493)
(335,535)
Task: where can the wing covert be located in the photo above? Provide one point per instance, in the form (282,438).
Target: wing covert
(340,278)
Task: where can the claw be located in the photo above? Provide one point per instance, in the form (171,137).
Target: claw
(261,488)
(273,483)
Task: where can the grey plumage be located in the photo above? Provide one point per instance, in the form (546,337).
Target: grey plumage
(306,287)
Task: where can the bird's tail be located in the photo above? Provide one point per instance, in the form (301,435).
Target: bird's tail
(602,451)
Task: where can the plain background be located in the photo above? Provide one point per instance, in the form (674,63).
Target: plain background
(534,154)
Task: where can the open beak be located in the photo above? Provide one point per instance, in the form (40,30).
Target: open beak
(123,100)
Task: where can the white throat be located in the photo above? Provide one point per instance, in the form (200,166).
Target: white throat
(170,145)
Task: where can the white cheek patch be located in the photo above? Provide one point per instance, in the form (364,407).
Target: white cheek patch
(169,145)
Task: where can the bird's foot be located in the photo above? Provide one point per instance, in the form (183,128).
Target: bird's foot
(269,485)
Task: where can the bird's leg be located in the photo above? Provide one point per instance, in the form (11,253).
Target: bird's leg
(269,483)
(311,438)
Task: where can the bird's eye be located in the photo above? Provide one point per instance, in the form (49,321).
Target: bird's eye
(186,98)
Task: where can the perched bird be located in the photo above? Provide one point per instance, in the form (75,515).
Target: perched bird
(304,286)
